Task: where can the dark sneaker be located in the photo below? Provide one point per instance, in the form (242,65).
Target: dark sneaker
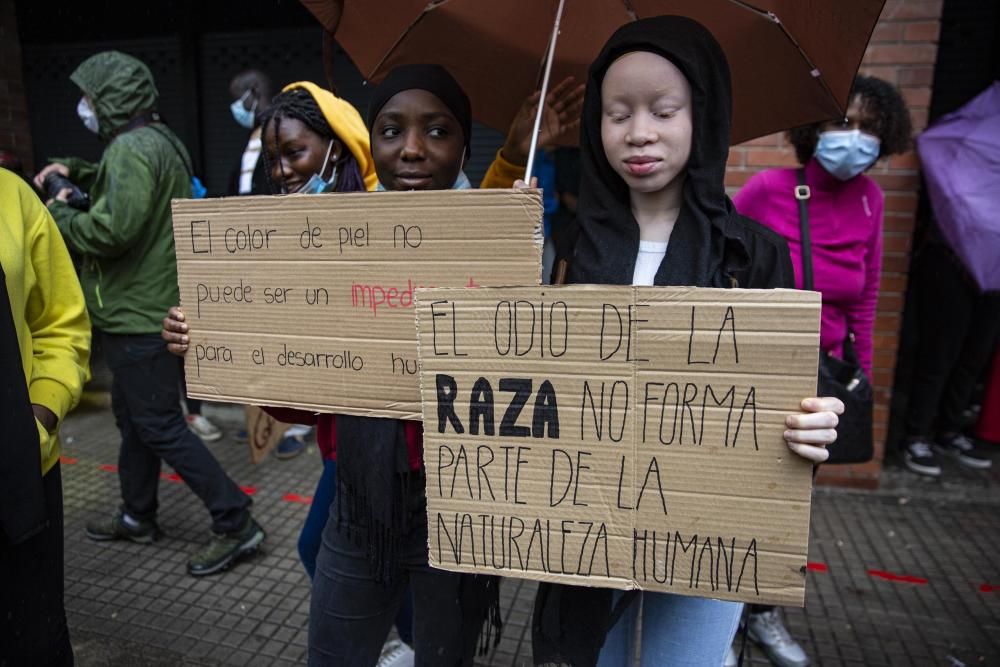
(123,527)
(224,550)
(918,457)
(963,450)
(290,447)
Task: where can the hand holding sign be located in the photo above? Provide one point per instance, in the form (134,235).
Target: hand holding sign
(622,437)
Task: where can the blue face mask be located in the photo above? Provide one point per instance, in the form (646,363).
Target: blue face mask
(245,117)
(316,184)
(846,153)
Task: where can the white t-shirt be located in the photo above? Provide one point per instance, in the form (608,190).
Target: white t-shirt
(249,162)
(647,262)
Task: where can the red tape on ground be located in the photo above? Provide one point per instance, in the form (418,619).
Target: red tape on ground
(296,498)
(902,578)
(817,567)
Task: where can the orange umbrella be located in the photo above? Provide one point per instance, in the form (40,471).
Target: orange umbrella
(792,61)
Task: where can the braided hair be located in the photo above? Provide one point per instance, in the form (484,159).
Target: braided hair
(885,104)
(300,105)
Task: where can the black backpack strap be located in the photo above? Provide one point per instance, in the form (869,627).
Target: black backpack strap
(803,194)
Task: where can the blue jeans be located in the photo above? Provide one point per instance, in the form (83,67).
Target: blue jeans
(312,532)
(676,630)
(312,536)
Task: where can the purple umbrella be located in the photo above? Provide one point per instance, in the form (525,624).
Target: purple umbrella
(960,155)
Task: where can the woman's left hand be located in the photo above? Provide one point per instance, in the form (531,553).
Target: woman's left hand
(563,106)
(809,432)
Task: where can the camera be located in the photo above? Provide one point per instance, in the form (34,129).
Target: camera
(55,182)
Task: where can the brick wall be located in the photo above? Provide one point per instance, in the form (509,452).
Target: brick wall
(903,51)
(15,135)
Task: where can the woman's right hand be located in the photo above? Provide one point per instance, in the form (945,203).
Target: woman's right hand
(175,331)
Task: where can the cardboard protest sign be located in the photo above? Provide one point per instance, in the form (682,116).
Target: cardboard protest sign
(619,437)
(307,301)
(264,432)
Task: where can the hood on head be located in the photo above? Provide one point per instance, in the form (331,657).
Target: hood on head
(346,123)
(120,88)
(695,52)
(609,233)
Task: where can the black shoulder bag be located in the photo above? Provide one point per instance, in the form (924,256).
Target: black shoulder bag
(843,378)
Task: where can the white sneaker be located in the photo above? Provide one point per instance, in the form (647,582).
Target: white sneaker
(395,653)
(768,631)
(203,428)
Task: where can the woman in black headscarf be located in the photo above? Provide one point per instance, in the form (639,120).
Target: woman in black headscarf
(653,211)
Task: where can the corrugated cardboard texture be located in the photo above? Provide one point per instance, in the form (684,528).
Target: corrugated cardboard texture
(264,432)
(619,436)
(306,301)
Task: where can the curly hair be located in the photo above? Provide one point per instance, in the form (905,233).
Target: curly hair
(883,102)
(301,106)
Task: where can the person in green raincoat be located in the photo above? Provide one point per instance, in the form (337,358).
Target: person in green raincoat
(129,279)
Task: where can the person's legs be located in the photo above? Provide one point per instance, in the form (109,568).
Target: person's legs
(940,295)
(311,536)
(33,630)
(681,630)
(404,617)
(944,309)
(138,465)
(976,353)
(148,378)
(620,640)
(350,613)
(448,610)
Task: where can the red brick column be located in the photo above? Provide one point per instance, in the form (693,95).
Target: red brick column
(903,51)
(15,135)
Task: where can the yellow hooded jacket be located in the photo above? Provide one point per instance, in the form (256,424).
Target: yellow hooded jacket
(50,316)
(347,124)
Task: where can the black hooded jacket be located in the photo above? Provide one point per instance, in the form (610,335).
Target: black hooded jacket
(711,245)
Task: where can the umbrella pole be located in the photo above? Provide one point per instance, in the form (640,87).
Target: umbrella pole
(545,89)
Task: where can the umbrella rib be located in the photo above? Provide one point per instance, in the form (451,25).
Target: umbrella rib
(813,70)
(630,10)
(432,5)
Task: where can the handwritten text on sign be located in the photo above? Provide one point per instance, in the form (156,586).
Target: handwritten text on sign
(307,301)
(621,437)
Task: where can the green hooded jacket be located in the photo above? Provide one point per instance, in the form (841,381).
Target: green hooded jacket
(129,271)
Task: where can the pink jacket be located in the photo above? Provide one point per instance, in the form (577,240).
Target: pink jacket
(845,223)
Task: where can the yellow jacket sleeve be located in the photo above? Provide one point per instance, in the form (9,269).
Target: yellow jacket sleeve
(57,326)
(501,174)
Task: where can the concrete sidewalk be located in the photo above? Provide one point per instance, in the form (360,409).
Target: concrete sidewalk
(909,575)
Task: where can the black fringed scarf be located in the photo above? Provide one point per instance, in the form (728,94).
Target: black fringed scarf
(22,496)
(711,246)
(373,500)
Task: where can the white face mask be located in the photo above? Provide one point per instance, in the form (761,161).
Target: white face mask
(87,114)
